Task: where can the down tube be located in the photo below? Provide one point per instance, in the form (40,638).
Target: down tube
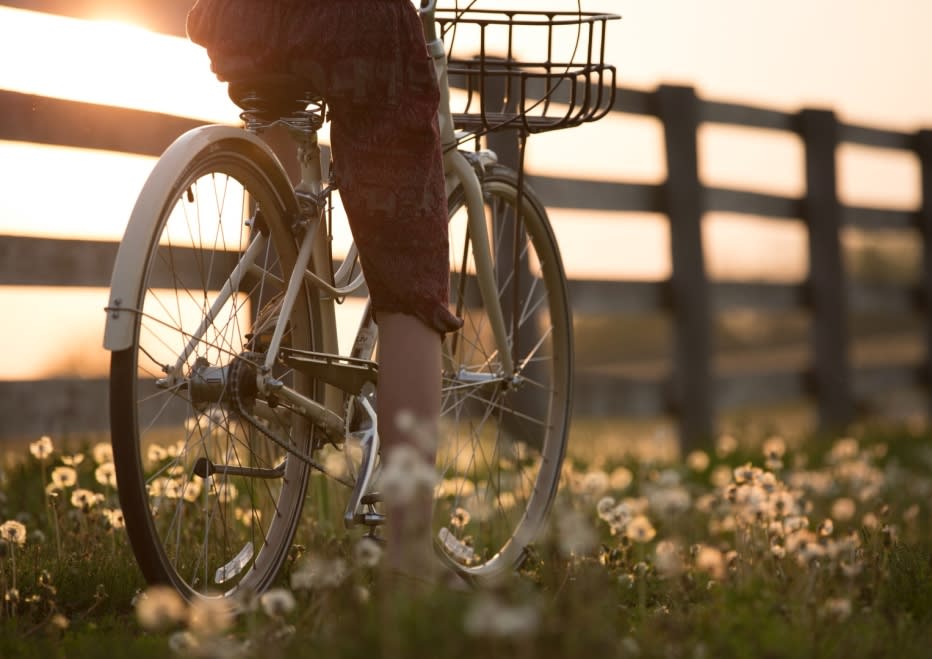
(475,206)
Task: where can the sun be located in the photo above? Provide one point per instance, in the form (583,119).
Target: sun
(109,62)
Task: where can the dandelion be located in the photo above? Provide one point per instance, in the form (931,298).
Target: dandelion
(59,621)
(837,608)
(460,518)
(725,446)
(574,533)
(64,477)
(489,616)
(594,483)
(826,528)
(709,559)
(720,476)
(277,602)
(72,460)
(209,616)
(604,507)
(405,473)
(105,474)
(316,573)
(843,509)
(845,448)
(667,558)
(183,643)
(620,479)
(114,518)
(640,529)
(774,447)
(698,461)
(156,453)
(159,608)
(102,452)
(13,532)
(41,448)
(747,473)
(367,553)
(83,499)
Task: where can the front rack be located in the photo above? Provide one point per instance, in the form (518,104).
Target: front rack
(533,71)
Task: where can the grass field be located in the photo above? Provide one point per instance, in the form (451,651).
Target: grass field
(815,548)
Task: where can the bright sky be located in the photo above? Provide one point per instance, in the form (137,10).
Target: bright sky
(870,61)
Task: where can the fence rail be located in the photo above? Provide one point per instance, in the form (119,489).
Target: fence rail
(691,384)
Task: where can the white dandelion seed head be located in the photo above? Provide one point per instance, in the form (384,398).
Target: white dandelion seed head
(317,573)
(620,479)
(575,535)
(64,477)
(698,461)
(83,499)
(405,473)
(42,448)
(14,532)
(105,474)
(72,460)
(209,616)
(640,529)
(159,608)
(367,553)
(102,452)
(277,602)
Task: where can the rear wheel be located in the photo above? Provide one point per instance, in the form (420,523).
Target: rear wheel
(210,498)
(503,434)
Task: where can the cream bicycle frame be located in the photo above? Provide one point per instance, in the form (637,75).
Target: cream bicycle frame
(313,253)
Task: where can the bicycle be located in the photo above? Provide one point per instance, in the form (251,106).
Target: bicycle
(227,385)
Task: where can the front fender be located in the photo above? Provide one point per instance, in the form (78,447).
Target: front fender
(158,193)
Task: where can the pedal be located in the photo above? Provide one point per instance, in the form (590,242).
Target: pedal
(369,518)
(371,499)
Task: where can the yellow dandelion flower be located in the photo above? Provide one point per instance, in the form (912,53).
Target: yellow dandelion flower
(42,447)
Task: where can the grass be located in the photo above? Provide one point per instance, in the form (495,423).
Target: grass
(648,556)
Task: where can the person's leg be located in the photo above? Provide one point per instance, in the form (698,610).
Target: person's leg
(409,384)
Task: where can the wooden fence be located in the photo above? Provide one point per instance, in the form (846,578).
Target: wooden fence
(693,390)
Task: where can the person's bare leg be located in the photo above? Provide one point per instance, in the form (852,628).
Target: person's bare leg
(409,383)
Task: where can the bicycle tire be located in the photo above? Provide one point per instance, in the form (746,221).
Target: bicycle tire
(502,442)
(202,530)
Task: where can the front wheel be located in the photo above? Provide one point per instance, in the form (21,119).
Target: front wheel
(503,434)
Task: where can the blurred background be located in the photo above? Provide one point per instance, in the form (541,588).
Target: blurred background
(770,279)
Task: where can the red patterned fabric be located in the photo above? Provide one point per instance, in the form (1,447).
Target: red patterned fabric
(367,58)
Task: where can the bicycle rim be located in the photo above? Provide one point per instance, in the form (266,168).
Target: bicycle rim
(503,435)
(193,520)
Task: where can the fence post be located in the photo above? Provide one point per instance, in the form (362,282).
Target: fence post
(826,285)
(693,385)
(924,150)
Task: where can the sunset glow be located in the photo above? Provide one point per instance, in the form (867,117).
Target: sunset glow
(109,63)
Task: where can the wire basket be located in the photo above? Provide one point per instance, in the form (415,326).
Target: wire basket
(533,71)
